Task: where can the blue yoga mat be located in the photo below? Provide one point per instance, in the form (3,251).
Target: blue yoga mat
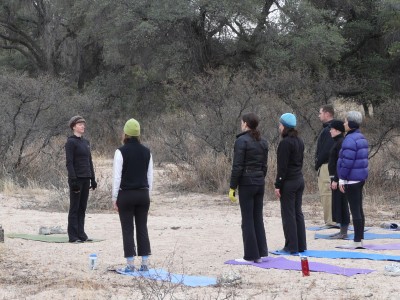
(367,236)
(160,274)
(318,228)
(341,254)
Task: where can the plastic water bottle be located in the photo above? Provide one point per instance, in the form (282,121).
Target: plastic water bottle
(93,261)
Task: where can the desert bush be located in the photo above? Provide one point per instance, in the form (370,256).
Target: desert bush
(200,131)
(34,113)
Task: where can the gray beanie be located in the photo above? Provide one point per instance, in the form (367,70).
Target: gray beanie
(74,120)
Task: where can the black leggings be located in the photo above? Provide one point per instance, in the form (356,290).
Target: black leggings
(134,205)
(251,200)
(354,196)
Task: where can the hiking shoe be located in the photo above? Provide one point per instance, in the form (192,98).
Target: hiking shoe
(338,236)
(393,269)
(144,268)
(129,269)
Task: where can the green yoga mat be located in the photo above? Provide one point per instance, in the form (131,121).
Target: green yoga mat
(51,238)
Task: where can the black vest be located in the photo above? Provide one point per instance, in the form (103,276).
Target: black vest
(136,163)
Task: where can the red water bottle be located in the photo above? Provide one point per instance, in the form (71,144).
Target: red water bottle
(304,266)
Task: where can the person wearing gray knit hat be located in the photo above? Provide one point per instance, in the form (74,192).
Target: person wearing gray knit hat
(81,179)
(75,120)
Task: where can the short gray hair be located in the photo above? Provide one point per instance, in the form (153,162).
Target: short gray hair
(354,116)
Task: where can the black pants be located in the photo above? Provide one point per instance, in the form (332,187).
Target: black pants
(354,196)
(292,215)
(251,199)
(133,205)
(340,208)
(77,210)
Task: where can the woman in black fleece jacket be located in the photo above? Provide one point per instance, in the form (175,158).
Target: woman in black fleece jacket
(80,179)
(289,184)
(248,174)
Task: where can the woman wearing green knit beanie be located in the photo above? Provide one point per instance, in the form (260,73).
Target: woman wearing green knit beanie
(132,183)
(132,128)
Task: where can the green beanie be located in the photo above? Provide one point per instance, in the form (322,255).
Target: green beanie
(132,128)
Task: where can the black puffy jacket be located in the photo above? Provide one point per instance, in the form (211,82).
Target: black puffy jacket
(249,161)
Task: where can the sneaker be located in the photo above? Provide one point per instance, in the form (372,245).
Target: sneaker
(338,236)
(242,260)
(393,269)
(144,268)
(129,269)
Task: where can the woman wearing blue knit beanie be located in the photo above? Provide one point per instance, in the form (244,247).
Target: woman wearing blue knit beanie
(289,184)
(132,183)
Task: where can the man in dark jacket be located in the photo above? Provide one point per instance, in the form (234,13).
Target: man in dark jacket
(324,145)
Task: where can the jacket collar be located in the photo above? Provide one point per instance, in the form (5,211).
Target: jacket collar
(242,133)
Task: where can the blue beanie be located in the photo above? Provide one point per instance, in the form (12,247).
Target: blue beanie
(288,120)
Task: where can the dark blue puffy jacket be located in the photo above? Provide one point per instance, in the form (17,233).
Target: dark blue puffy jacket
(353,157)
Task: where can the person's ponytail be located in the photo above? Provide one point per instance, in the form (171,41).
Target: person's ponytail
(252,120)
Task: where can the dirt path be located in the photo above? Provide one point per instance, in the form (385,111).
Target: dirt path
(192,234)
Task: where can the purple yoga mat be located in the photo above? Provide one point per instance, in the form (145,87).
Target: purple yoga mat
(286,264)
(395,246)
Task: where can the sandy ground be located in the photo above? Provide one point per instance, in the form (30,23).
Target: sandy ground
(192,234)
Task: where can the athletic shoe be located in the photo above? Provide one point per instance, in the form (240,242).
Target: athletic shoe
(144,268)
(129,269)
(393,269)
(338,236)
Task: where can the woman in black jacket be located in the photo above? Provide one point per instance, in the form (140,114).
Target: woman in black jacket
(248,174)
(340,207)
(81,178)
(289,184)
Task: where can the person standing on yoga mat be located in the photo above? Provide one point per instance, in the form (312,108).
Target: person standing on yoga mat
(81,178)
(340,207)
(132,183)
(324,144)
(289,184)
(352,169)
(249,169)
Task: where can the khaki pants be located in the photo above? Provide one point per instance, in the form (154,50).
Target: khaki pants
(325,194)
